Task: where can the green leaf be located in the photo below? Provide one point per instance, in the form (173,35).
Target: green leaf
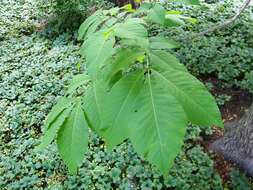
(118,108)
(72,139)
(162,60)
(198,103)
(157,14)
(60,106)
(139,42)
(77,81)
(94,104)
(159,42)
(125,57)
(172,20)
(96,25)
(87,23)
(132,29)
(97,49)
(191,2)
(53,128)
(177,19)
(158,125)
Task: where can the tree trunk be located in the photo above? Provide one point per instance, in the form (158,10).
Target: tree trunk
(237,143)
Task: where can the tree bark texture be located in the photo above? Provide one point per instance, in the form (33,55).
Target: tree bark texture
(237,143)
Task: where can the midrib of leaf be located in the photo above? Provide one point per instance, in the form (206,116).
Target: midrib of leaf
(153,105)
(124,102)
(72,131)
(181,91)
(96,102)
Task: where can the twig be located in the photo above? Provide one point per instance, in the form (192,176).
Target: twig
(227,22)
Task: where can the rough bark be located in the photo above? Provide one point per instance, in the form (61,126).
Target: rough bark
(237,143)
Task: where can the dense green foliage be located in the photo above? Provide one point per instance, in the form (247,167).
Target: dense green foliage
(34,71)
(67,15)
(225,54)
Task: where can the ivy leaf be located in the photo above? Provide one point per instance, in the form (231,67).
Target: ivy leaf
(158,125)
(72,139)
(118,108)
(198,103)
(159,42)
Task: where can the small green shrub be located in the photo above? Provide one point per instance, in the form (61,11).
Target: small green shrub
(67,15)
(239,181)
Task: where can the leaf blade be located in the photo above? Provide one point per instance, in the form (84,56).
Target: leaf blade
(159,125)
(72,139)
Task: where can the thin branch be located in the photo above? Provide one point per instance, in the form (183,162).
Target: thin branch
(227,22)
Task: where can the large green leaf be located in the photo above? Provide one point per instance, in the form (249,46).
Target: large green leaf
(94,101)
(124,58)
(197,102)
(159,42)
(53,128)
(96,25)
(72,139)
(57,109)
(162,60)
(77,81)
(191,2)
(87,23)
(172,20)
(118,108)
(158,125)
(131,29)
(97,49)
(157,14)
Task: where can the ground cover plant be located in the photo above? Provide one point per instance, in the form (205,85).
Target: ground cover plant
(35,71)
